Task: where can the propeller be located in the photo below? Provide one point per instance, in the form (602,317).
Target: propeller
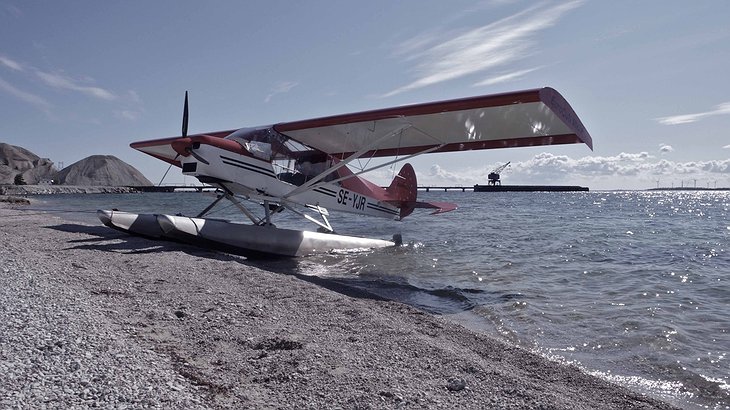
(185,133)
(185,116)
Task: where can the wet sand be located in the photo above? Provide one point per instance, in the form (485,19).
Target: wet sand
(94,317)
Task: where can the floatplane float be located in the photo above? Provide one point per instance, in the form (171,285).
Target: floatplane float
(302,167)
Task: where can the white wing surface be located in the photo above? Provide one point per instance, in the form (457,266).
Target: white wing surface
(516,119)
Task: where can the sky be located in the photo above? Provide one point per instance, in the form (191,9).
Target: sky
(648,79)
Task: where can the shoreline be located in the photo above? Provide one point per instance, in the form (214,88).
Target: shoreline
(95,317)
(23,190)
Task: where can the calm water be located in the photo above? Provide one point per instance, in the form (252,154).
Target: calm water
(633,287)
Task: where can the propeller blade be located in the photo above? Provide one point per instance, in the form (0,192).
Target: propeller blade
(185,117)
(197,156)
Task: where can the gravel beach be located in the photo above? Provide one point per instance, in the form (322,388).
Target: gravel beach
(92,317)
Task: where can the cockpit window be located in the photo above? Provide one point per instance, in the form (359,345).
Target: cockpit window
(292,161)
(267,142)
(263,143)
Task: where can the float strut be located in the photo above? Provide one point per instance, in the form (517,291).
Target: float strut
(206,210)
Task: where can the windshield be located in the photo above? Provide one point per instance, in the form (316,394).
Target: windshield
(263,142)
(293,162)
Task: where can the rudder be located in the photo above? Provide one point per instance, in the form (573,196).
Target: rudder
(404,189)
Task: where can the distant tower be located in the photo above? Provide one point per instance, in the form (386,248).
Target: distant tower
(493,176)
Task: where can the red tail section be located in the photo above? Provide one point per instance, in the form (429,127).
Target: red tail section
(403,192)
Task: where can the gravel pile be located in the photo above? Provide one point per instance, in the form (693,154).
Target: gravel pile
(95,318)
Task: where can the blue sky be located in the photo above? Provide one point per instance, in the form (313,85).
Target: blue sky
(648,79)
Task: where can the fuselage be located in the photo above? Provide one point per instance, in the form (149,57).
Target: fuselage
(263,167)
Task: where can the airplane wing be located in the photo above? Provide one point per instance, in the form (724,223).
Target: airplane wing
(516,119)
(164,148)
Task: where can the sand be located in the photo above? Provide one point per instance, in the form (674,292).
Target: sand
(92,317)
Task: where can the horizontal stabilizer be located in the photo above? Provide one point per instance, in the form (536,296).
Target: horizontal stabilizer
(404,191)
(440,207)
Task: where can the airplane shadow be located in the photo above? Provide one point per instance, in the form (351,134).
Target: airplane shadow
(438,301)
(109,240)
(99,231)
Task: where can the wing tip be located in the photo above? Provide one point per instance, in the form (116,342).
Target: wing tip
(560,106)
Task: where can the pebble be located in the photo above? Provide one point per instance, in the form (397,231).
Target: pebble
(51,358)
(129,350)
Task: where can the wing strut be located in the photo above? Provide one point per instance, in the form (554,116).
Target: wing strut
(350,159)
(308,185)
(426,151)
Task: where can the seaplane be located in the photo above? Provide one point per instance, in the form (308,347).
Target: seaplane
(304,167)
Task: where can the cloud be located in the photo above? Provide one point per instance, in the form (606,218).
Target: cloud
(11,64)
(623,164)
(131,108)
(127,114)
(56,80)
(436,172)
(726,147)
(60,81)
(664,148)
(721,109)
(134,96)
(480,49)
(27,97)
(506,77)
(280,88)
(617,171)
(12,10)
(24,96)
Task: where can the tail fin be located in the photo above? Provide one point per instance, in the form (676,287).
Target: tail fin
(404,190)
(404,185)
(404,193)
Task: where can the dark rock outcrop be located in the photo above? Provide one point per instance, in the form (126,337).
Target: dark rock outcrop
(17,160)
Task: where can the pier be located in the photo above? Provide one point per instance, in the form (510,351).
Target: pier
(475,188)
(445,188)
(529,188)
(173,188)
(506,188)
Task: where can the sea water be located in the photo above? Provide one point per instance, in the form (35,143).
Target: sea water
(633,287)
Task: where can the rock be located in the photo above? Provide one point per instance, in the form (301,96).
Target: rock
(101,170)
(96,170)
(15,200)
(16,160)
(456,384)
(63,189)
(278,344)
